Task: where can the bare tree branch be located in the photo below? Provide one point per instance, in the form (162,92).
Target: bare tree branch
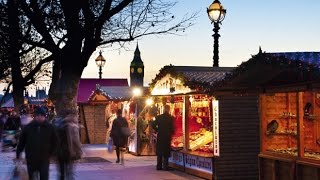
(33,72)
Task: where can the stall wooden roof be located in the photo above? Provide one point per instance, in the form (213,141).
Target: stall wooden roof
(87,86)
(195,77)
(267,72)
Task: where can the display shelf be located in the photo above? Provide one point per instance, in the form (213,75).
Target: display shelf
(288,116)
(311,117)
(313,155)
(288,151)
(197,153)
(292,133)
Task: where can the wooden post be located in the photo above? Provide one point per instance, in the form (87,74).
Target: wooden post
(300,129)
(289,118)
(315,123)
(185,123)
(263,122)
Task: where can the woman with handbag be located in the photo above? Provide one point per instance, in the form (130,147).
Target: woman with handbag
(119,133)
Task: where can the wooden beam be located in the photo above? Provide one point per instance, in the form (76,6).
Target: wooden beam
(263,124)
(186,122)
(300,129)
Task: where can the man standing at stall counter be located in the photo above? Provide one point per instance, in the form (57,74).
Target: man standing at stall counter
(163,125)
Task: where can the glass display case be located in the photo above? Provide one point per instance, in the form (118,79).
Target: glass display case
(280,124)
(200,124)
(290,135)
(311,126)
(282,112)
(192,122)
(176,103)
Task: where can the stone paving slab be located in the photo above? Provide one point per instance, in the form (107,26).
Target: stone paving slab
(134,167)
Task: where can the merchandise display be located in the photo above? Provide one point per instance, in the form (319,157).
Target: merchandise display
(177,142)
(281,119)
(200,140)
(200,124)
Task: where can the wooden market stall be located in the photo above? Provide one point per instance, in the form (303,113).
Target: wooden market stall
(97,114)
(140,115)
(289,106)
(216,134)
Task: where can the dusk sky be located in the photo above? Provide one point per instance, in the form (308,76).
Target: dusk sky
(276,26)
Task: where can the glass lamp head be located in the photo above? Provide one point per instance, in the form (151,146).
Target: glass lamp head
(100,61)
(216,12)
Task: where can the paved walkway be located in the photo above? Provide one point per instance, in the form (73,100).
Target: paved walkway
(134,168)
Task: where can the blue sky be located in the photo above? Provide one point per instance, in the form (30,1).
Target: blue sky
(276,26)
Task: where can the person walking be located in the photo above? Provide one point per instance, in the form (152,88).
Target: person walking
(12,130)
(25,116)
(69,146)
(13,123)
(118,134)
(38,139)
(163,125)
(1,126)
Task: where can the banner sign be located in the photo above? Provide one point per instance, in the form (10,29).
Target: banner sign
(176,158)
(199,163)
(216,148)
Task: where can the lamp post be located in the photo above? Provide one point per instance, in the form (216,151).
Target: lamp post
(100,61)
(216,14)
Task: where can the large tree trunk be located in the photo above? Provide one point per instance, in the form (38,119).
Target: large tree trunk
(67,71)
(14,47)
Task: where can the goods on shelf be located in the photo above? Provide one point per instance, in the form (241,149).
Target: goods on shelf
(203,137)
(177,142)
(289,151)
(314,155)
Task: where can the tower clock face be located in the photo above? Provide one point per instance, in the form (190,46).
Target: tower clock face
(139,70)
(132,70)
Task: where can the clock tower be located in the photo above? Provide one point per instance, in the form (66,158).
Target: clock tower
(136,69)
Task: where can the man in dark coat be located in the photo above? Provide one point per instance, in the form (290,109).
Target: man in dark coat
(163,125)
(38,139)
(118,136)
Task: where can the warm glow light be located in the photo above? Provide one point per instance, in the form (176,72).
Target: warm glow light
(216,12)
(149,102)
(191,99)
(100,61)
(137,92)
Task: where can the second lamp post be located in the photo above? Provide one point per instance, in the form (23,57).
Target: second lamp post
(100,61)
(216,14)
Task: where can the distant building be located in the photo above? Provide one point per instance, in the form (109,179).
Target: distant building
(136,69)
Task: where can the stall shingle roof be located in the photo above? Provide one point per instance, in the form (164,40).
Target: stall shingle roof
(273,71)
(198,78)
(117,92)
(87,86)
(203,74)
(308,57)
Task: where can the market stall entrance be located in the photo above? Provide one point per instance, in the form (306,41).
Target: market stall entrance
(195,142)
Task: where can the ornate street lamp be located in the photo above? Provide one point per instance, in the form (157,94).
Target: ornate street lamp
(216,14)
(100,61)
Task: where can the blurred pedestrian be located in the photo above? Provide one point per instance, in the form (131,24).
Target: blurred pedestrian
(25,116)
(69,146)
(1,126)
(4,116)
(163,125)
(13,122)
(38,139)
(118,134)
